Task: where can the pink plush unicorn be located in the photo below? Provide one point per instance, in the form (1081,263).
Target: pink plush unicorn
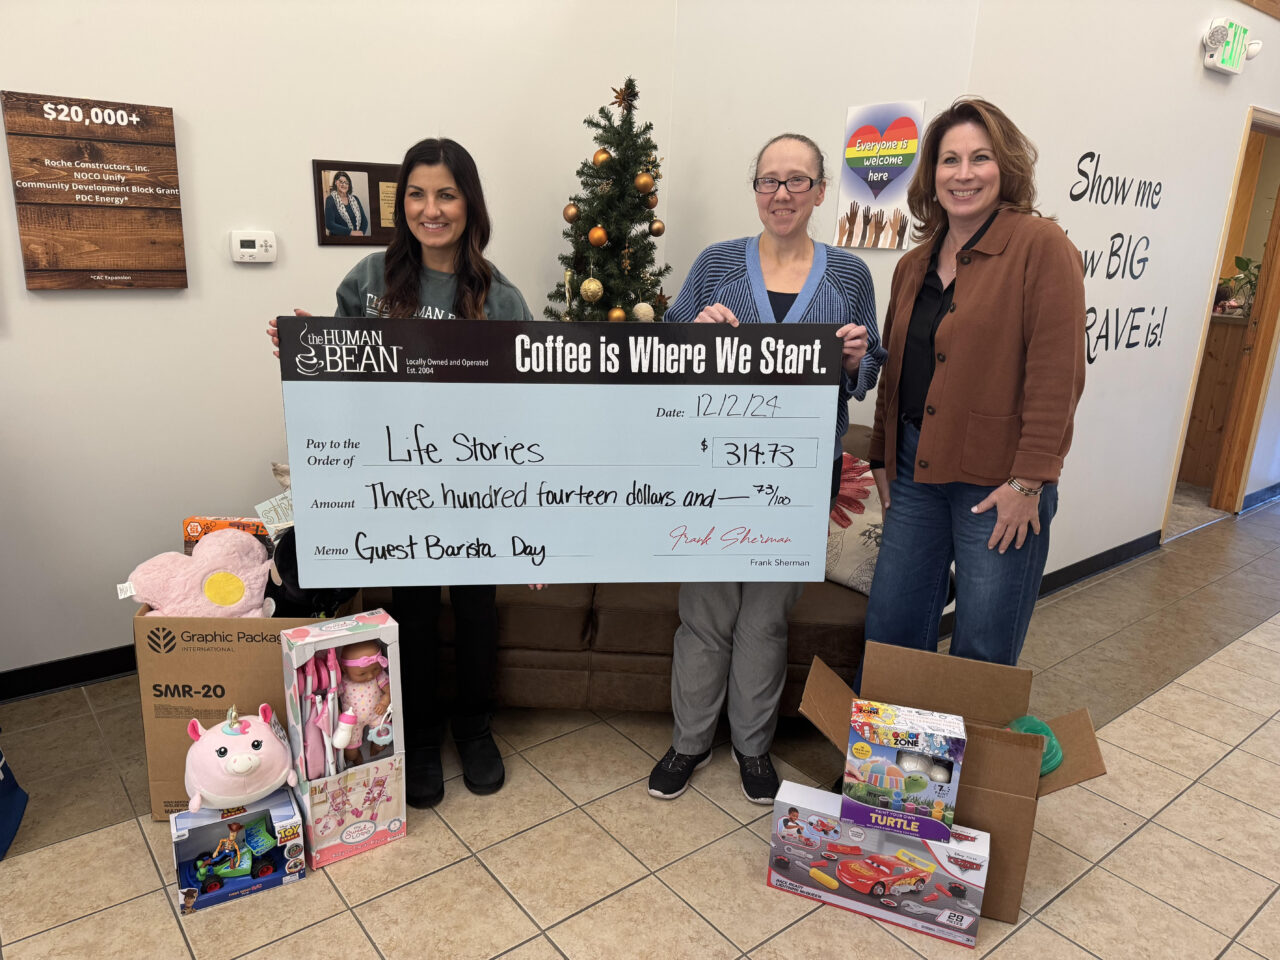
(236,762)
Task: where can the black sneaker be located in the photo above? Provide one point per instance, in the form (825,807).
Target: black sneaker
(423,777)
(759,779)
(671,776)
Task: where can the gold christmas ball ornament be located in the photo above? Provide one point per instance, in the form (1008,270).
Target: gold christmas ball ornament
(651,200)
(591,290)
(644,182)
(571,213)
(617,315)
(597,236)
(657,228)
(601,156)
(642,312)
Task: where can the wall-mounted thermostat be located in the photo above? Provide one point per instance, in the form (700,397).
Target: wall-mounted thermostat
(253,246)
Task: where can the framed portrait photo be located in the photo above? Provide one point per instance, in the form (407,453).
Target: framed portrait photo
(355,202)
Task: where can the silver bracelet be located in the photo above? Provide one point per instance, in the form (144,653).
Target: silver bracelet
(1025,491)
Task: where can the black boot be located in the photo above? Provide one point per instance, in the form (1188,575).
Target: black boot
(423,777)
(482,769)
(423,772)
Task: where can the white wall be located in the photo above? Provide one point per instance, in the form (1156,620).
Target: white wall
(121,412)
(1126,80)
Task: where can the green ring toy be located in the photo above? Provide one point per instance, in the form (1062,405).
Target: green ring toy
(1052,757)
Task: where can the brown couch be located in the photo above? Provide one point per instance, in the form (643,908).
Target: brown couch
(608,645)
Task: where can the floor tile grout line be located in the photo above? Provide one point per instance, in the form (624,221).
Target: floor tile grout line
(1172,906)
(164,886)
(286,936)
(1273,898)
(1231,747)
(93,913)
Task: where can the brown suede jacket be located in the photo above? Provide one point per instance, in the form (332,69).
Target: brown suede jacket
(1009,363)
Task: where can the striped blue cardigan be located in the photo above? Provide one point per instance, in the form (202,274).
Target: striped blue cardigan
(838,290)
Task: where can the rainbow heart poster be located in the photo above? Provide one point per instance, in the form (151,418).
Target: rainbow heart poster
(880,146)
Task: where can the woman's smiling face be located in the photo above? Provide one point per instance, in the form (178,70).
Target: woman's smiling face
(784,213)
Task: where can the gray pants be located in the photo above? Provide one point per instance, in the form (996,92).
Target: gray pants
(732,637)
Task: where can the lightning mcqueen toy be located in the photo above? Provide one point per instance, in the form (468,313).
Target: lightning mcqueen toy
(878,875)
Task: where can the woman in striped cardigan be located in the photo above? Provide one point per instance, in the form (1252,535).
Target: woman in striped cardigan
(733,636)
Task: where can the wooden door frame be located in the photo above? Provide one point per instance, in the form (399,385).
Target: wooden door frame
(1253,382)
(1244,435)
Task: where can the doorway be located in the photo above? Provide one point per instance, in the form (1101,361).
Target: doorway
(1239,347)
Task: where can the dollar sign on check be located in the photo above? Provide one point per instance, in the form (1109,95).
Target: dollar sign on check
(704,444)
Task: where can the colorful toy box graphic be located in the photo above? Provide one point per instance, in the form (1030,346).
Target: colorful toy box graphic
(902,769)
(221,855)
(932,886)
(348,751)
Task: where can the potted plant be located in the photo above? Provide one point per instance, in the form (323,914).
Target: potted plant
(1243,286)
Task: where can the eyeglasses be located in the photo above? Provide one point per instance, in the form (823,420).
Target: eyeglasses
(793,184)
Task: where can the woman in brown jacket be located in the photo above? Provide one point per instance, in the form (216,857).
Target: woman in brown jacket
(985,333)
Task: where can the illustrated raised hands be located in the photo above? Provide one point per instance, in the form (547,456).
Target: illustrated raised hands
(902,231)
(877,227)
(846,231)
(866,223)
(895,221)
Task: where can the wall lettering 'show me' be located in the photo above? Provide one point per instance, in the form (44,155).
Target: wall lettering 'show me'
(1117,319)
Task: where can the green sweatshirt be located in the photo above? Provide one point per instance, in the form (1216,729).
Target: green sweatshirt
(363,288)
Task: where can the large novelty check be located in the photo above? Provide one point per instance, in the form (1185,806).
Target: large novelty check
(437,452)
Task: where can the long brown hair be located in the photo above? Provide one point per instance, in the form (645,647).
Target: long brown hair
(1014,154)
(404,253)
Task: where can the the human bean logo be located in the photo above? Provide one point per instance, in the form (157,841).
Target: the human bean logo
(880,158)
(345,351)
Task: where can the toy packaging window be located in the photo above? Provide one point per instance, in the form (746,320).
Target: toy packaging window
(902,769)
(224,854)
(343,697)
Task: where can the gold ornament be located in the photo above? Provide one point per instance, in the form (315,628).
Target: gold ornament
(601,156)
(591,290)
(651,200)
(617,315)
(597,236)
(626,258)
(642,312)
(657,228)
(571,213)
(644,182)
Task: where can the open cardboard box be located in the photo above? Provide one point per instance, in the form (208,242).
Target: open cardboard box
(1001,781)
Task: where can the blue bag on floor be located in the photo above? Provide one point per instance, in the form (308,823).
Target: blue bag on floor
(13,801)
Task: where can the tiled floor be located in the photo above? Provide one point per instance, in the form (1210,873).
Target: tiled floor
(1174,853)
(1190,509)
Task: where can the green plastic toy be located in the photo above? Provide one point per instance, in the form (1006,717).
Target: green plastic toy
(1052,757)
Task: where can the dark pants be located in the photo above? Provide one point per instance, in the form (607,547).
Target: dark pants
(927,526)
(475,617)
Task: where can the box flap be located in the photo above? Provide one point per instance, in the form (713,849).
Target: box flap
(984,692)
(1081,756)
(826,702)
(1000,759)
(1010,820)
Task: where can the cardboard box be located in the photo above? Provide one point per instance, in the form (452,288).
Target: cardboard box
(268,840)
(199,667)
(1001,769)
(363,806)
(902,769)
(934,887)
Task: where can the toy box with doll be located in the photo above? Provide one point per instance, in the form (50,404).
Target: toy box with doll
(220,855)
(342,695)
(932,886)
(902,769)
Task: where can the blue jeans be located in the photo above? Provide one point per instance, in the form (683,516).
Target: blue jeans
(927,526)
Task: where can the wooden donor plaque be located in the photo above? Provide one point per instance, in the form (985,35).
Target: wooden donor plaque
(95,185)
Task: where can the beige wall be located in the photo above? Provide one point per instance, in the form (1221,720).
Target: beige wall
(121,412)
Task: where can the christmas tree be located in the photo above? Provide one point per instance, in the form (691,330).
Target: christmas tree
(610,272)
